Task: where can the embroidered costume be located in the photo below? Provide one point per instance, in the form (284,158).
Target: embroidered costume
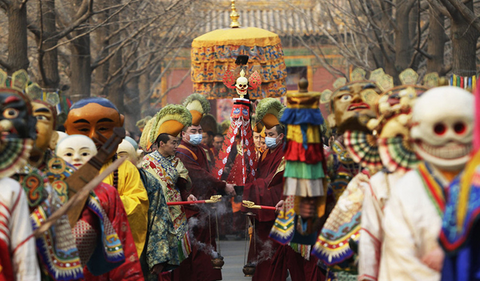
(18,260)
(169,171)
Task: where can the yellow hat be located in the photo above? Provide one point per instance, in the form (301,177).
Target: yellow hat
(258,127)
(225,126)
(145,138)
(198,105)
(142,122)
(170,120)
(270,111)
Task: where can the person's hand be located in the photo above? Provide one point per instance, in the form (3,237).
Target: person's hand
(307,207)
(229,189)
(434,259)
(157,269)
(279,206)
(191,197)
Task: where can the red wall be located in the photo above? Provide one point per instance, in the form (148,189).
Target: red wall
(322,79)
(176,96)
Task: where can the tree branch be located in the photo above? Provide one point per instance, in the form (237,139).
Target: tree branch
(5,65)
(5,4)
(33,28)
(83,14)
(468,14)
(87,32)
(434,5)
(169,89)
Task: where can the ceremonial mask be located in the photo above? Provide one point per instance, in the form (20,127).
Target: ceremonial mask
(16,110)
(126,149)
(354,104)
(442,127)
(76,150)
(46,133)
(91,115)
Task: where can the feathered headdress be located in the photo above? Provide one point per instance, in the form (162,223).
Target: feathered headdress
(142,122)
(170,120)
(269,111)
(145,138)
(198,105)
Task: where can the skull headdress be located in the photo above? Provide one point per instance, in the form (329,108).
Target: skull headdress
(242,84)
(442,127)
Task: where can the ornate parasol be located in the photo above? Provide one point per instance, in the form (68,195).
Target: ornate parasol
(215,52)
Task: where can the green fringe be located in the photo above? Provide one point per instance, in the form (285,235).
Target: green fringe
(301,170)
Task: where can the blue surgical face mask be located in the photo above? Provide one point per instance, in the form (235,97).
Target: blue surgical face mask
(270,142)
(195,139)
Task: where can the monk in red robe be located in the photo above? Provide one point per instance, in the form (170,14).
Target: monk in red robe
(198,265)
(266,189)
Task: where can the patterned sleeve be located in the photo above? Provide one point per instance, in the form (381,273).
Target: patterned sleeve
(24,260)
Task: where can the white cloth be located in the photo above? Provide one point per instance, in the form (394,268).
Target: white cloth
(16,230)
(303,187)
(370,243)
(411,226)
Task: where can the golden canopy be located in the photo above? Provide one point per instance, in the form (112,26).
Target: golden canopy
(216,51)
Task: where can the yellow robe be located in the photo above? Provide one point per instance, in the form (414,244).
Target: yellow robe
(135,200)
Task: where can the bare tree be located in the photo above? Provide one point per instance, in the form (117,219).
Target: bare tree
(393,35)
(17,45)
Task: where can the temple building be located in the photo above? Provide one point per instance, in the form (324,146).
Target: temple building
(307,52)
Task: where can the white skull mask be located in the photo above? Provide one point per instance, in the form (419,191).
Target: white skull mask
(442,127)
(242,85)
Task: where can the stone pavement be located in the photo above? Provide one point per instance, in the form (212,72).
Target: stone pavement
(234,254)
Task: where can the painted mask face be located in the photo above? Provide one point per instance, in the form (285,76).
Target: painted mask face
(45,125)
(442,127)
(91,118)
(354,105)
(76,150)
(17,110)
(126,149)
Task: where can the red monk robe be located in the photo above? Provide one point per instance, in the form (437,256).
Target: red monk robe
(266,189)
(112,205)
(198,265)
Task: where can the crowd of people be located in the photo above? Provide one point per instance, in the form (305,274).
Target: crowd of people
(384,188)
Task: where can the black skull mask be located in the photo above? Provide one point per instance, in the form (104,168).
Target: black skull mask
(16,108)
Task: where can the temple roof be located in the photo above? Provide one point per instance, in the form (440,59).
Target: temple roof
(277,17)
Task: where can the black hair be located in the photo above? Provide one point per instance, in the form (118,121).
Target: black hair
(280,129)
(219,135)
(164,137)
(210,133)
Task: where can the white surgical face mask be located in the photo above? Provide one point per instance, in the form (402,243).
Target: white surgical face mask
(195,139)
(270,142)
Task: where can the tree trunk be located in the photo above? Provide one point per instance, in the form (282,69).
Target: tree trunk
(464,41)
(436,41)
(81,77)
(115,91)
(102,42)
(132,98)
(144,90)
(48,61)
(403,48)
(17,37)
